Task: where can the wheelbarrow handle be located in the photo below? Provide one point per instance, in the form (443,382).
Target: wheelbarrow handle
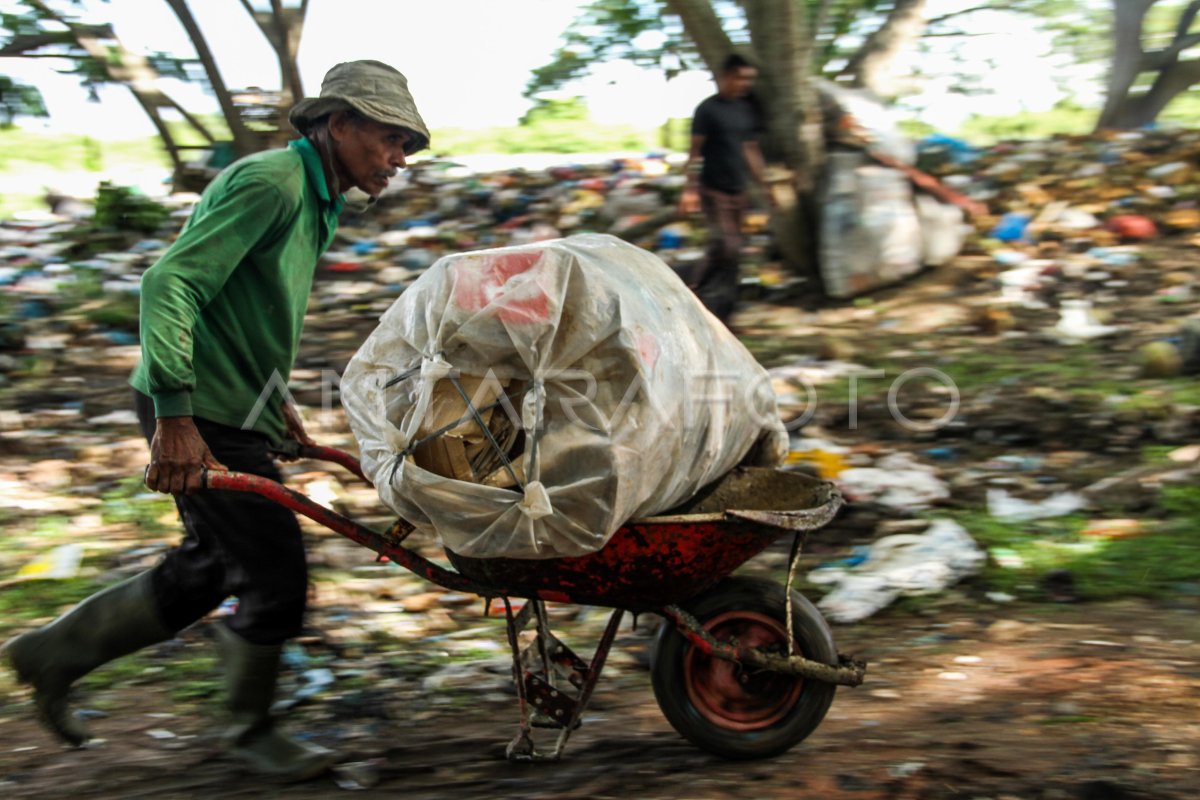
(290,448)
(373,540)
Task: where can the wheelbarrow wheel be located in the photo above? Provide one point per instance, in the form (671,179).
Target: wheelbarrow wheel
(734,712)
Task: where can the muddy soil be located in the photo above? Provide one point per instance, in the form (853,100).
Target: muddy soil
(1043,703)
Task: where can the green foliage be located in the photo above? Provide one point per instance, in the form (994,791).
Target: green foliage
(1066,117)
(675,134)
(555,110)
(545,136)
(612,29)
(646,33)
(124,208)
(19,100)
(20,149)
(916,129)
(1083,28)
(1080,27)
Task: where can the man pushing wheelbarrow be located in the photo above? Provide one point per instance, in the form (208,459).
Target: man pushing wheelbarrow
(221,316)
(565,416)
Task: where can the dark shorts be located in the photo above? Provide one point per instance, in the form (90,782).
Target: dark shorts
(236,544)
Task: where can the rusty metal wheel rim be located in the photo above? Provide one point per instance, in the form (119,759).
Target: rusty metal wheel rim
(730,696)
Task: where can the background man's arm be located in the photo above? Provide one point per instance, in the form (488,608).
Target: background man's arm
(758,171)
(689,200)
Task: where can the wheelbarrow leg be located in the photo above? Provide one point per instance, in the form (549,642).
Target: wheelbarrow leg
(593,676)
(521,748)
(542,702)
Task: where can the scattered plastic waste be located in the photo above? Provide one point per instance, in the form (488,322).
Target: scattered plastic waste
(902,564)
(1077,324)
(1113,528)
(897,480)
(1011,227)
(1006,508)
(829,459)
(59,564)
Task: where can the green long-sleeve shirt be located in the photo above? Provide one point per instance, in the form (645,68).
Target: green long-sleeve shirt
(222,310)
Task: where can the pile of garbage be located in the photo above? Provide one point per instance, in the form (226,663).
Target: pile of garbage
(1074,226)
(1095,191)
(1087,240)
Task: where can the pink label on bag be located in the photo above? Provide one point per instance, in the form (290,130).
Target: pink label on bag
(495,283)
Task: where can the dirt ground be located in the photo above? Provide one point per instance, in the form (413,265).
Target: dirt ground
(964,700)
(1063,702)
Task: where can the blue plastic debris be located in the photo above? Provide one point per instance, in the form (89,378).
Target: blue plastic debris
(1011,228)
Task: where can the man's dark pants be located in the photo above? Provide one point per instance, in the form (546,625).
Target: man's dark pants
(717,282)
(236,544)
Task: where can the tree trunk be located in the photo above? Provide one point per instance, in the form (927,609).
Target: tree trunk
(282,28)
(164,132)
(871,67)
(796,220)
(782,49)
(1136,111)
(1128,16)
(283,32)
(243,141)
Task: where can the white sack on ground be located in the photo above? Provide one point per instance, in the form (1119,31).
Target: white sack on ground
(631,396)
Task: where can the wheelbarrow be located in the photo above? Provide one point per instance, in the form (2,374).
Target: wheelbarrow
(724,671)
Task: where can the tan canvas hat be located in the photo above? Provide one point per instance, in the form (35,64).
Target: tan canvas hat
(371,88)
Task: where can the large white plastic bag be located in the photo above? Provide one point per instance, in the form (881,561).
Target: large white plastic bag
(640,397)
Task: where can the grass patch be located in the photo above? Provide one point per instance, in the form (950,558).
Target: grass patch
(29,600)
(1151,565)
(71,153)
(1073,368)
(131,503)
(192,674)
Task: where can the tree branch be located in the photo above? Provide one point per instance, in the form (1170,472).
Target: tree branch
(47,10)
(1154,60)
(821,19)
(42,55)
(1185,20)
(20,45)
(963,12)
(703,27)
(1169,84)
(956,34)
(868,67)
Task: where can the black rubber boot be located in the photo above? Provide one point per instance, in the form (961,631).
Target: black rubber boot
(251,674)
(107,625)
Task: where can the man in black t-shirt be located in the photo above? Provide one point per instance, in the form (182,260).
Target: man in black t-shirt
(725,132)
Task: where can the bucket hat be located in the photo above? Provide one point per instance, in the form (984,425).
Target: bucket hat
(373,89)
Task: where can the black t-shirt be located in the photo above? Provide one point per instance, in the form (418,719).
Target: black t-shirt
(725,125)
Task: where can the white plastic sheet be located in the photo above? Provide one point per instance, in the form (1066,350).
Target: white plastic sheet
(900,565)
(636,396)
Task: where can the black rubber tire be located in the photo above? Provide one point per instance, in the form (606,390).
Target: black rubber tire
(788,717)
